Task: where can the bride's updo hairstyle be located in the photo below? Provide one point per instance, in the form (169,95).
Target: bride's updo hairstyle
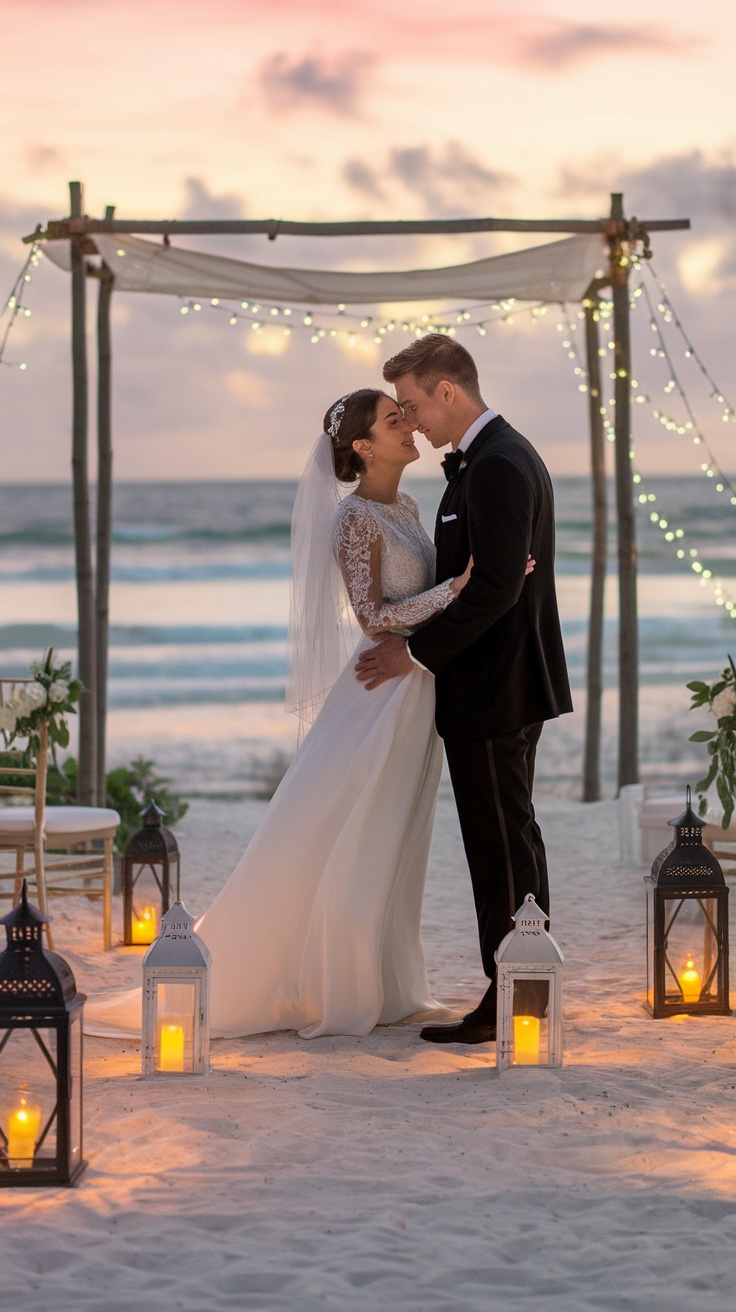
(349,420)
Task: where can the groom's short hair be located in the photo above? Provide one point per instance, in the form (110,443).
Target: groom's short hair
(432,358)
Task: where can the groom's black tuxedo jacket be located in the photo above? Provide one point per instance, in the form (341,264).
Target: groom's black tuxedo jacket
(497,649)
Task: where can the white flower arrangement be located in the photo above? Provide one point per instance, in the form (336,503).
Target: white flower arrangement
(27,698)
(8,718)
(46,699)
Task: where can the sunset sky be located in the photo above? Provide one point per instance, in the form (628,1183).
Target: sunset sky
(326,110)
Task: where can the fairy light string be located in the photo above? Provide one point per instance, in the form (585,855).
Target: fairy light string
(14,307)
(711,467)
(674,535)
(321,326)
(670,315)
(687,554)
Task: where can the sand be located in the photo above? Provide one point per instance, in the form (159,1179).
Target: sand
(381,1172)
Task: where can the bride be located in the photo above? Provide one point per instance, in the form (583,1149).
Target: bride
(317,928)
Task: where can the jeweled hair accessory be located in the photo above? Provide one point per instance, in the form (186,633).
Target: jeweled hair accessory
(336,415)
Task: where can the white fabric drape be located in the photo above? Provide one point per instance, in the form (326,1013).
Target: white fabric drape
(557,271)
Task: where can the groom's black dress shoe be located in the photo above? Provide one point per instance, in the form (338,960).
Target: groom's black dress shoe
(472,1029)
(479,1026)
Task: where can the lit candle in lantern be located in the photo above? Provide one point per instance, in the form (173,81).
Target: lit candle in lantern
(171,1048)
(145,927)
(23,1128)
(690,982)
(526,1040)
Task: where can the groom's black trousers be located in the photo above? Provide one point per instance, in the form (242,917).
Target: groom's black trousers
(492,779)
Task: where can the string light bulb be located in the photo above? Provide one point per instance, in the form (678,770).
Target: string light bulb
(673,536)
(14,306)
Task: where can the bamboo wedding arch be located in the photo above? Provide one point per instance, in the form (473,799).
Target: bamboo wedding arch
(595,254)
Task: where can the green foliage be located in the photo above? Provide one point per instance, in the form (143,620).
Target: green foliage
(721,740)
(129,789)
(61,783)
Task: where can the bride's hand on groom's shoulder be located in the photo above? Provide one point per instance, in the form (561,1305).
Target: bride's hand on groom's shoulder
(387,659)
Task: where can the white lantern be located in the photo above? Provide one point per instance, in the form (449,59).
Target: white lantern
(529,1001)
(176,985)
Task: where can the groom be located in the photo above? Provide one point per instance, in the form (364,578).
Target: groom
(496,650)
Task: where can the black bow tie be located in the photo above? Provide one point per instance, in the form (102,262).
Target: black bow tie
(452,462)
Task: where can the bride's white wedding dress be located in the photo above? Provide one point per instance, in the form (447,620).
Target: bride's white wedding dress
(317,928)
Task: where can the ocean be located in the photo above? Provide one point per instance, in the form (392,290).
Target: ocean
(199,609)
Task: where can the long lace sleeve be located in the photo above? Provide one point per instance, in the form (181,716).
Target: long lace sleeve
(358,546)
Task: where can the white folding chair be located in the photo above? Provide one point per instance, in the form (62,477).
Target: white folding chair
(46,831)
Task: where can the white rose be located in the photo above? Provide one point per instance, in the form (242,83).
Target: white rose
(59,691)
(724,703)
(18,700)
(26,697)
(7,718)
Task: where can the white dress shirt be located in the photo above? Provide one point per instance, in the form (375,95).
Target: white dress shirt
(475,428)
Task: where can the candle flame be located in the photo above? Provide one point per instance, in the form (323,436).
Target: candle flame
(690,981)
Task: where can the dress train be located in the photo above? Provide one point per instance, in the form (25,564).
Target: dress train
(317,928)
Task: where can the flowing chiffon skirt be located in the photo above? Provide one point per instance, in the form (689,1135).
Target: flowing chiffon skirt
(318,927)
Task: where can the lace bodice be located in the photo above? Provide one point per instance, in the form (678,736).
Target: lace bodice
(388,563)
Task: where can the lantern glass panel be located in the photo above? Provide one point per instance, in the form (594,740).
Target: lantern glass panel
(530,1027)
(147,901)
(28,1099)
(651,928)
(75,1089)
(177,1015)
(691,949)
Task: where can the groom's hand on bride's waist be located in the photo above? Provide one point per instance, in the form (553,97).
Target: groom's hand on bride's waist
(388,659)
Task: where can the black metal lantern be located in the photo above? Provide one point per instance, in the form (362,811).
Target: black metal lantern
(687,926)
(40,1058)
(150,878)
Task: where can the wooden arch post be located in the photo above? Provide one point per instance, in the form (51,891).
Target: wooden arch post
(628,636)
(594,701)
(86,777)
(104,515)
